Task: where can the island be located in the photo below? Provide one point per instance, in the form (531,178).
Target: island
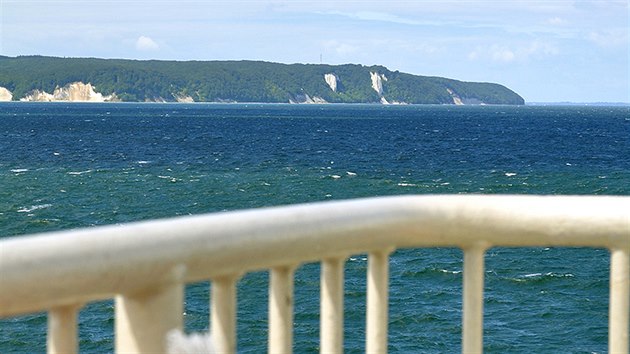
(48,79)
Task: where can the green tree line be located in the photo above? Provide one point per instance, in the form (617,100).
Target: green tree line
(241,81)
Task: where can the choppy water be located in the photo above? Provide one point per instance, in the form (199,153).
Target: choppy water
(80,165)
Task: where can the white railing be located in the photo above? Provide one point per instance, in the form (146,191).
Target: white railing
(145,265)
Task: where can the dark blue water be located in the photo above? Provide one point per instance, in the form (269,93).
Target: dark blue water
(80,165)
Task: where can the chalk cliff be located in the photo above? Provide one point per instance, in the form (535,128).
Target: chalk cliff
(74,92)
(456,99)
(306,99)
(184,98)
(331,80)
(5,95)
(377,85)
(462,100)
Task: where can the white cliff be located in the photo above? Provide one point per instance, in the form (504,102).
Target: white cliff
(5,95)
(331,80)
(306,99)
(377,85)
(377,82)
(184,99)
(74,92)
(456,99)
(38,96)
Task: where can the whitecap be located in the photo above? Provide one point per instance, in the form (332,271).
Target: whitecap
(142,162)
(19,170)
(532,275)
(76,173)
(335,176)
(510,174)
(34,207)
(450,271)
(402,184)
(172,179)
(351,173)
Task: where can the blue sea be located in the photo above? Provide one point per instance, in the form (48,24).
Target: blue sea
(75,165)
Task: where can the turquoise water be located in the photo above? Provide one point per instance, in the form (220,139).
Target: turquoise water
(81,165)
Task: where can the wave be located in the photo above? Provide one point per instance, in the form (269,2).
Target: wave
(78,173)
(539,277)
(431,271)
(33,208)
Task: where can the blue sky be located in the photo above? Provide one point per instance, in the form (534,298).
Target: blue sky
(547,51)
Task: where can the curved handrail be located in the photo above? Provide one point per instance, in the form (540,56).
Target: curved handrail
(61,268)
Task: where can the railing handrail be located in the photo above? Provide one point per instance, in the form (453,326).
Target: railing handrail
(145,265)
(50,270)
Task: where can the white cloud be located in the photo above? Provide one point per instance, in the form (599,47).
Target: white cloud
(540,49)
(556,21)
(502,54)
(341,48)
(495,53)
(376,16)
(610,38)
(506,54)
(146,44)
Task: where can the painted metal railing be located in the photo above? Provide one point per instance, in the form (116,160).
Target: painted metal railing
(146,265)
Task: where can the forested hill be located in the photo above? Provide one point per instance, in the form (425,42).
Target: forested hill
(46,78)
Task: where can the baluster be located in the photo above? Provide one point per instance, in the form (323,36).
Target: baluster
(377,301)
(62,330)
(619,306)
(144,318)
(472,333)
(281,310)
(223,306)
(331,312)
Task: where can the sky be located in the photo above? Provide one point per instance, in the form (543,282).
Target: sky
(547,51)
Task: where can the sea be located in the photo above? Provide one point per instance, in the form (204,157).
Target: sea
(81,165)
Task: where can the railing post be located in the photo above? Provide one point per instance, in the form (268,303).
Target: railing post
(144,318)
(281,310)
(619,306)
(62,330)
(377,301)
(331,303)
(223,305)
(472,332)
